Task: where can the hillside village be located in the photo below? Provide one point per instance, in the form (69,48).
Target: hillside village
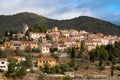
(54,49)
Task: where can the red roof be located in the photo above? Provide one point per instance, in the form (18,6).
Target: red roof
(16,57)
(10,42)
(67,40)
(26,42)
(20,42)
(55,35)
(75,35)
(99,35)
(89,40)
(1,45)
(36,33)
(3,59)
(62,45)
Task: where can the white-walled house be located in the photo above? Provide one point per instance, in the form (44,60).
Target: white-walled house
(105,41)
(55,37)
(65,33)
(89,45)
(75,37)
(73,32)
(60,47)
(68,42)
(44,48)
(20,45)
(4,64)
(36,35)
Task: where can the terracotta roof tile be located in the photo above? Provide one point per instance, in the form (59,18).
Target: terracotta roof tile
(16,57)
(3,59)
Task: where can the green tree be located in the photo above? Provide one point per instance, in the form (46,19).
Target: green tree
(53,70)
(21,72)
(2,54)
(82,47)
(67,78)
(64,67)
(110,50)
(11,70)
(92,56)
(73,63)
(40,28)
(117,49)
(73,52)
(102,55)
(112,71)
(47,68)
(28,62)
(58,69)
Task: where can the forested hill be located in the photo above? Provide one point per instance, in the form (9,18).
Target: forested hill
(14,22)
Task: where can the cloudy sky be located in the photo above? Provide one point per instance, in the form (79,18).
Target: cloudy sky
(65,9)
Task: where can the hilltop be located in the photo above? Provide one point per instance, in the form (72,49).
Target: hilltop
(90,24)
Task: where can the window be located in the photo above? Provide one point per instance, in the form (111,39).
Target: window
(2,62)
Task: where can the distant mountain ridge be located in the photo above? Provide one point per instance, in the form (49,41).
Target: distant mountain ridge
(94,25)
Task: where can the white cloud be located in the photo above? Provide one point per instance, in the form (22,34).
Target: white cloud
(42,7)
(58,9)
(72,14)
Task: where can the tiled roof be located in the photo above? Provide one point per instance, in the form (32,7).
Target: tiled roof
(76,35)
(55,35)
(16,57)
(67,40)
(62,45)
(20,42)
(3,59)
(36,33)
(99,35)
(10,42)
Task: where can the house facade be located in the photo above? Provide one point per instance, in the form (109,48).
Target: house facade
(20,45)
(44,48)
(36,35)
(4,64)
(40,62)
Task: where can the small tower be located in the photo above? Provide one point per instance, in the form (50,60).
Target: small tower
(56,28)
(25,28)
